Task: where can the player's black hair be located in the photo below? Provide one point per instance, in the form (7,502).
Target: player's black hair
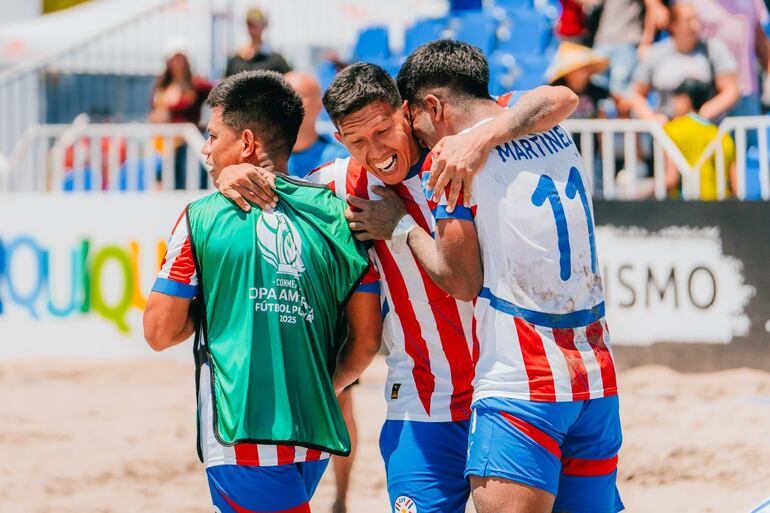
(263,102)
(357,86)
(699,92)
(457,67)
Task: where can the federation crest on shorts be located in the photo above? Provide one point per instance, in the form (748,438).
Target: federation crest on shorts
(404,504)
(279,243)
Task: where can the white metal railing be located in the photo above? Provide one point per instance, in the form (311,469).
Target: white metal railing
(628,184)
(104,157)
(741,127)
(4,171)
(630,130)
(96,157)
(130,41)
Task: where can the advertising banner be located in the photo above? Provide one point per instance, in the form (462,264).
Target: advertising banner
(687,283)
(75,271)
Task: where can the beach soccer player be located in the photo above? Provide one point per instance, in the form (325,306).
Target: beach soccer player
(272,286)
(545,431)
(428,333)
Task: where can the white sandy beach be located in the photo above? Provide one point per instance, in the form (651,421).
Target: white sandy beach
(120,438)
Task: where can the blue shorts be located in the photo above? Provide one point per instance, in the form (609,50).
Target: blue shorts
(279,489)
(425,464)
(568,449)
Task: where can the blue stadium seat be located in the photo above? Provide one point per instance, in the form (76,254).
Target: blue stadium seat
(325,72)
(514,4)
(464,5)
(477,28)
(525,32)
(753,187)
(498,77)
(502,73)
(532,71)
(391,65)
(424,31)
(372,44)
(509,72)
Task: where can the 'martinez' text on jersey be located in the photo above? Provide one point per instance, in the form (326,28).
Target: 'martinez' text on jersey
(540,313)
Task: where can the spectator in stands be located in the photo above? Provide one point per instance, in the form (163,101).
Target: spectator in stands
(311,149)
(686,55)
(177,98)
(178,94)
(692,135)
(738,23)
(573,67)
(256,55)
(572,24)
(626,29)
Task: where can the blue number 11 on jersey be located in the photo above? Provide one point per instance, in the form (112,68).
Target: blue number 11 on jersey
(546,191)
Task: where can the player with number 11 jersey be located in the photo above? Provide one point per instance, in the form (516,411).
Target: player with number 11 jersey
(545,409)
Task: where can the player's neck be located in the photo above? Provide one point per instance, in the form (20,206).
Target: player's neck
(280,166)
(306,138)
(416,151)
(471,113)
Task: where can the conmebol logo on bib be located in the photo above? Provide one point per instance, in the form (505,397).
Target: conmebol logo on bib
(280,243)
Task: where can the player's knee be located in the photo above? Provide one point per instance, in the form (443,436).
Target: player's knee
(497,495)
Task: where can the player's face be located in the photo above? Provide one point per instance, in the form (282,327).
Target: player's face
(425,126)
(223,147)
(379,137)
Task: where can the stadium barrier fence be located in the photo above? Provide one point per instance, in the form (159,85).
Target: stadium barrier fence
(127,39)
(104,157)
(614,153)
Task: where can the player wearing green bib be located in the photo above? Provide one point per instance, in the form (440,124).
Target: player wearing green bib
(271,288)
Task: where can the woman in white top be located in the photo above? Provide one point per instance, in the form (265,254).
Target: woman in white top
(686,55)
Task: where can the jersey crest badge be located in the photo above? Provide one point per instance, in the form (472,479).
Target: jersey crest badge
(404,504)
(279,242)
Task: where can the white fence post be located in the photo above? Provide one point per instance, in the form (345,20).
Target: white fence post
(4,174)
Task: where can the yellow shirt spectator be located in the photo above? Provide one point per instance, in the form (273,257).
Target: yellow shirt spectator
(692,134)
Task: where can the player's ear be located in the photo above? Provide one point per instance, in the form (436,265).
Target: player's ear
(338,136)
(250,145)
(434,106)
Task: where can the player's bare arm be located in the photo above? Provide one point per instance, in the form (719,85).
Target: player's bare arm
(457,158)
(167,321)
(452,259)
(363,343)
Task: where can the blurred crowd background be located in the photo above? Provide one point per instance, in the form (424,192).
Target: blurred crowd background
(684,65)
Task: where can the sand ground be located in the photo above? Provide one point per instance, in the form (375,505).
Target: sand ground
(102,437)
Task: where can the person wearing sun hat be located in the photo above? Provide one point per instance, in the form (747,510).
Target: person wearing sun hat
(573,66)
(255,55)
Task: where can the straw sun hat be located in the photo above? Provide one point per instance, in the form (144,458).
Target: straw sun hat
(572,57)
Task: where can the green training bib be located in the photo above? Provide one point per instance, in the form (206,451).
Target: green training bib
(273,286)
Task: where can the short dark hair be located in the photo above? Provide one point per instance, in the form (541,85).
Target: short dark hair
(357,86)
(263,102)
(699,92)
(444,63)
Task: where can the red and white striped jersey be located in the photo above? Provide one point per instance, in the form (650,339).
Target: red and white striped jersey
(427,332)
(540,315)
(177,277)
